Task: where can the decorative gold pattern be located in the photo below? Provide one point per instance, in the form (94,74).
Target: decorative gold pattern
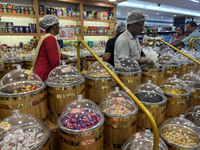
(129,75)
(172,72)
(187,69)
(113,126)
(188,64)
(154,76)
(178,103)
(154,70)
(69,95)
(195,90)
(66,88)
(154,106)
(104,81)
(154,112)
(120,119)
(131,81)
(101,87)
(24,105)
(194,96)
(173,67)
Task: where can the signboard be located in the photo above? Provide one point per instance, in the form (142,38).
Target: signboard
(66,33)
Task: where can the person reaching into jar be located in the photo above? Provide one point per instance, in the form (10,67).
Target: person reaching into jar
(48,53)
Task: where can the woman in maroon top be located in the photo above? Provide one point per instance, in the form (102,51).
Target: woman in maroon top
(179,35)
(48,52)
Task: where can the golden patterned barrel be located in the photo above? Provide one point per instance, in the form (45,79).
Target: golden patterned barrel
(54,136)
(59,97)
(96,89)
(118,130)
(156,104)
(8,67)
(28,65)
(84,63)
(85,141)
(195,97)
(131,80)
(155,75)
(186,68)
(170,71)
(91,60)
(35,104)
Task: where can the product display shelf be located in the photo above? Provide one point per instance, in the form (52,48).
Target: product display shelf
(99,20)
(99,35)
(17,15)
(65,18)
(42,34)
(18,34)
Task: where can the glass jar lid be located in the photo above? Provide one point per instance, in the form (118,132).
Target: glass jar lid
(97,71)
(193,114)
(127,66)
(175,86)
(30,56)
(118,104)
(183,59)
(192,80)
(180,132)
(20,82)
(23,131)
(149,93)
(80,116)
(167,50)
(64,76)
(169,59)
(142,141)
(11,57)
(146,67)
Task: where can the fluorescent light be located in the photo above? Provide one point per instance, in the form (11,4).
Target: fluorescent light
(157,13)
(112,0)
(196,1)
(152,7)
(174,15)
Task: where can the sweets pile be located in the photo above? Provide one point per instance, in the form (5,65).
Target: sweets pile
(117,109)
(21,139)
(100,74)
(179,138)
(174,91)
(80,119)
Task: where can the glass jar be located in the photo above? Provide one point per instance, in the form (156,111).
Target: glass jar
(143,141)
(193,114)
(23,131)
(179,132)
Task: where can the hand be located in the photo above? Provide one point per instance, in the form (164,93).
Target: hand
(1,66)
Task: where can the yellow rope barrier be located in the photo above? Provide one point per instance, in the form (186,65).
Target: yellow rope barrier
(190,43)
(150,40)
(196,42)
(140,105)
(174,48)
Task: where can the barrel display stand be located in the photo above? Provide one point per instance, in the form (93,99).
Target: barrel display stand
(59,97)
(8,67)
(186,68)
(155,75)
(84,63)
(96,89)
(35,104)
(194,97)
(170,71)
(54,137)
(45,146)
(118,130)
(86,141)
(131,80)
(28,65)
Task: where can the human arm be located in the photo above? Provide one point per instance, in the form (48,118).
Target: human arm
(109,49)
(178,43)
(106,56)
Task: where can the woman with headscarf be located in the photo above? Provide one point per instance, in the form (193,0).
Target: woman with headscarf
(48,53)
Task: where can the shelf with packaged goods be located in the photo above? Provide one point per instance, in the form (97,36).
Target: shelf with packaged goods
(99,20)
(17,15)
(18,34)
(98,35)
(45,33)
(65,18)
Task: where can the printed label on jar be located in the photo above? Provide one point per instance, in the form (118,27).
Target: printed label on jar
(4,125)
(119,99)
(27,71)
(137,135)
(66,69)
(76,110)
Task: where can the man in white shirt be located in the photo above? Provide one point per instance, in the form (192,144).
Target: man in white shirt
(127,43)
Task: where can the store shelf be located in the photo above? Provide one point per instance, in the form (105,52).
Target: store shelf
(18,34)
(17,15)
(99,20)
(99,35)
(65,18)
(75,34)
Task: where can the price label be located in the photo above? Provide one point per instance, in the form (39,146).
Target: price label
(4,125)
(106,64)
(137,135)
(76,110)
(27,71)
(66,69)
(119,99)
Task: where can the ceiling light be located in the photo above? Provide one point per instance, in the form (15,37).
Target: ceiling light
(196,1)
(112,0)
(157,13)
(174,15)
(161,17)
(128,13)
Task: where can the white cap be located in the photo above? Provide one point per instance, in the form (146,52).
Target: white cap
(48,21)
(135,16)
(120,27)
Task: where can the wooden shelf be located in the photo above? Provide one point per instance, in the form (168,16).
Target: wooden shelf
(17,15)
(65,18)
(99,20)
(99,35)
(18,34)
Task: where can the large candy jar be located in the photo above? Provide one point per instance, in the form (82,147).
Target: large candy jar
(81,126)
(180,133)
(154,100)
(143,141)
(120,117)
(64,83)
(98,81)
(129,72)
(23,132)
(193,114)
(24,90)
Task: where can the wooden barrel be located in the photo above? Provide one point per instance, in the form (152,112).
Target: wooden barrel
(194,97)
(45,146)
(35,104)
(8,67)
(96,89)
(118,130)
(186,68)
(59,97)
(170,71)
(131,80)
(155,75)
(86,141)
(84,63)
(91,60)
(156,105)
(54,137)
(28,65)
(176,104)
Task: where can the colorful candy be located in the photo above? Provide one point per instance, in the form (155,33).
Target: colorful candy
(81,119)
(117,109)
